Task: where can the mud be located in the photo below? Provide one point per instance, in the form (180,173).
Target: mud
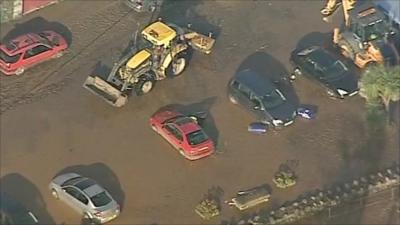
(50,123)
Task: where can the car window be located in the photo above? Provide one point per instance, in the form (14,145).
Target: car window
(255,100)
(244,90)
(72,191)
(235,84)
(9,58)
(100,199)
(174,131)
(76,194)
(36,51)
(197,137)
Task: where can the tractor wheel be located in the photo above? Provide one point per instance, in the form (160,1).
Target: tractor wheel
(145,85)
(178,65)
(370,65)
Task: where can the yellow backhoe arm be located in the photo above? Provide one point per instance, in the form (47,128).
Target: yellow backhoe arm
(332,5)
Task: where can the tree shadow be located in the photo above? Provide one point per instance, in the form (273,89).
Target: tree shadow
(102,174)
(38,24)
(187,14)
(24,191)
(202,107)
(266,65)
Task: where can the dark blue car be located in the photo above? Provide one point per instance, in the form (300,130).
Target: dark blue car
(260,96)
(13,213)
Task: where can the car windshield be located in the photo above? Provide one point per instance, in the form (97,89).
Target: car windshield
(197,137)
(375,30)
(100,199)
(9,58)
(273,99)
(335,71)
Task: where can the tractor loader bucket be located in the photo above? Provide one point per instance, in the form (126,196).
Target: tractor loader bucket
(201,42)
(104,90)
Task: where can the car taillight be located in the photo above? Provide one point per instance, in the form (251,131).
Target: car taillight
(97,213)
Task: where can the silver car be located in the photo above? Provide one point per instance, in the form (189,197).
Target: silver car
(85,196)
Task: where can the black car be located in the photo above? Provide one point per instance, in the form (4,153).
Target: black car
(144,5)
(327,69)
(12,212)
(260,96)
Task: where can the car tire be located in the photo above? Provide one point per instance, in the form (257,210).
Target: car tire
(145,85)
(59,54)
(178,65)
(19,71)
(232,99)
(330,93)
(54,193)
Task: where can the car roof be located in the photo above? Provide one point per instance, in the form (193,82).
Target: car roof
(187,124)
(93,190)
(258,84)
(20,43)
(322,57)
(84,184)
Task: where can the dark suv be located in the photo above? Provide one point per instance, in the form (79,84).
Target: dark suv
(260,96)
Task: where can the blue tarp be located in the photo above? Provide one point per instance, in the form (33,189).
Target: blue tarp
(391,7)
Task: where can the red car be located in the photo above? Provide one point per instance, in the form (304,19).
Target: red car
(30,49)
(184,133)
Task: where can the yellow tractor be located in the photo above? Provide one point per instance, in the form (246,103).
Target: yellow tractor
(366,37)
(162,51)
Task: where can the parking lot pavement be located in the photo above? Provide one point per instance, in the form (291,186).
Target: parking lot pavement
(50,123)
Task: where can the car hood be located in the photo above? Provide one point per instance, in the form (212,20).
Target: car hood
(285,112)
(347,83)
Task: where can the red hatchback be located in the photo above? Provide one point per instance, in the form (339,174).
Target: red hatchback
(30,49)
(183,133)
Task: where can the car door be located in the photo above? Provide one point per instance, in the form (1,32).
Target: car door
(256,106)
(36,54)
(243,96)
(173,135)
(76,199)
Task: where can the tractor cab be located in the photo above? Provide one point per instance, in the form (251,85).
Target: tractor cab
(369,24)
(159,34)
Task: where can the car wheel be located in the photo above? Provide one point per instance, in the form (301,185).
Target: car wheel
(233,99)
(87,216)
(178,65)
(54,193)
(145,85)
(19,71)
(59,54)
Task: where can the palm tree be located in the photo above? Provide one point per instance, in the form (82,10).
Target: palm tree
(380,84)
